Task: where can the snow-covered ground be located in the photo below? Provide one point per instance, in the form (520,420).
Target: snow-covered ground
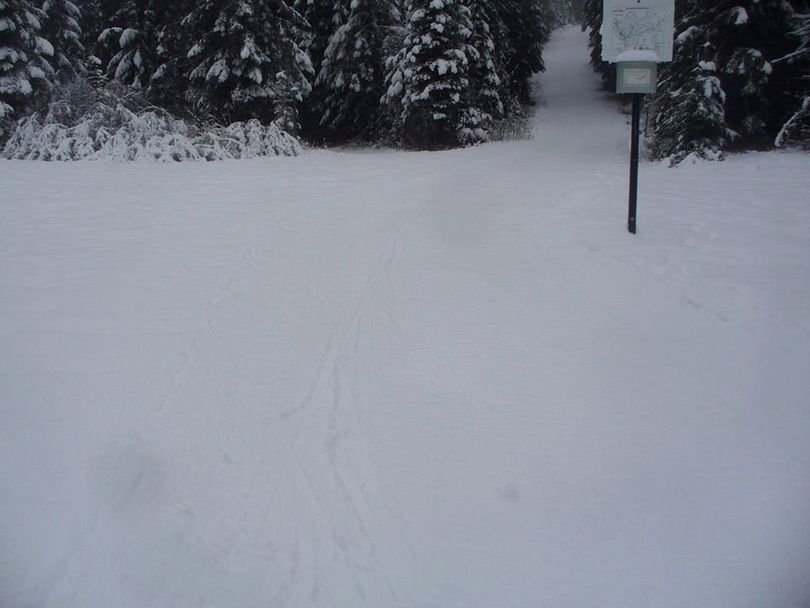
(387,379)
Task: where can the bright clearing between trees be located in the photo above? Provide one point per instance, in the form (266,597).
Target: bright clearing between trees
(392,379)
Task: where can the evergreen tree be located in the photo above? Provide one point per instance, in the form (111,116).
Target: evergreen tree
(61,27)
(487,72)
(690,118)
(758,92)
(528,27)
(801,29)
(24,67)
(325,17)
(796,129)
(592,17)
(93,20)
(577,11)
(138,43)
(246,59)
(561,13)
(428,80)
(722,54)
(350,82)
(168,81)
(126,44)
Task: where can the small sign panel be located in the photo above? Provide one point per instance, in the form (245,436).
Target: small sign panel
(637,77)
(645,25)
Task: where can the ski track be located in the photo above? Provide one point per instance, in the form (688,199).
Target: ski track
(408,380)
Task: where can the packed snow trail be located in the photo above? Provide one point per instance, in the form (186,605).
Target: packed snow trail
(387,379)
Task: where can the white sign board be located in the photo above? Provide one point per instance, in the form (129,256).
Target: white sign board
(630,25)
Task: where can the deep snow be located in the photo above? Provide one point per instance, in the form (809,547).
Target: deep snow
(383,379)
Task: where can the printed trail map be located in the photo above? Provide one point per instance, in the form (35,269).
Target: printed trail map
(645,26)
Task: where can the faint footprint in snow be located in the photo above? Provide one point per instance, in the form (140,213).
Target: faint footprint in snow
(509,493)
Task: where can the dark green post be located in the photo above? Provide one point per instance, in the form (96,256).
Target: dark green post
(638,100)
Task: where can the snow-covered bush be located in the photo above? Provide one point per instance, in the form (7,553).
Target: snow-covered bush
(87,125)
(249,139)
(516,127)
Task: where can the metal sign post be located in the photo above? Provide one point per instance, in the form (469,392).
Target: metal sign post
(637,35)
(638,100)
(636,74)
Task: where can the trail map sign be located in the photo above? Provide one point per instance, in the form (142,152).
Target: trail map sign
(629,25)
(637,35)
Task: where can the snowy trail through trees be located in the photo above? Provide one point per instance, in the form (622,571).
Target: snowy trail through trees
(390,379)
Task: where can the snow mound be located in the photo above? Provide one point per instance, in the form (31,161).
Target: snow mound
(118,133)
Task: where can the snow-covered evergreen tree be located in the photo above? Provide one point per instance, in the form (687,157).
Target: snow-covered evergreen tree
(801,29)
(528,27)
(246,59)
(755,32)
(325,17)
(722,63)
(592,16)
(428,81)
(577,11)
(61,26)
(690,118)
(25,71)
(350,82)
(92,23)
(126,44)
(139,44)
(796,129)
(487,72)
(168,81)
(562,12)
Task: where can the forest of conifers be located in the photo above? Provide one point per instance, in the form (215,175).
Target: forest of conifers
(421,74)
